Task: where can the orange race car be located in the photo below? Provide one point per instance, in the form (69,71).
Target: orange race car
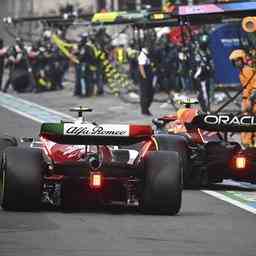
(202,142)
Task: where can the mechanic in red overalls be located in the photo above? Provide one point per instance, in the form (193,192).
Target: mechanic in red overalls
(247,78)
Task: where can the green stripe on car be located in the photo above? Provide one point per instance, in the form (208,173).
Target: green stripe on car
(52,128)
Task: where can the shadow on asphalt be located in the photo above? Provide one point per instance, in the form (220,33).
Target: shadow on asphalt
(195,214)
(127,211)
(95,210)
(122,210)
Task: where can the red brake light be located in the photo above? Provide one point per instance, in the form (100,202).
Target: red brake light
(240,162)
(95,180)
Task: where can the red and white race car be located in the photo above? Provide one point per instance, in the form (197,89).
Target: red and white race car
(80,164)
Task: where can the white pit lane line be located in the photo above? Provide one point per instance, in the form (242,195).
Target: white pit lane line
(31,110)
(230,200)
(43,114)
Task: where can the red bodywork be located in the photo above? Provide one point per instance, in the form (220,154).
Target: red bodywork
(105,185)
(115,181)
(61,153)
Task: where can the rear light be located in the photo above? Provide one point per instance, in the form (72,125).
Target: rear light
(96,180)
(240,162)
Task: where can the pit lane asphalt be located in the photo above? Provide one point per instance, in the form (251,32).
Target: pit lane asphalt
(205,225)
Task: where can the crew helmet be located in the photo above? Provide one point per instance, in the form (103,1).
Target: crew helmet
(237,54)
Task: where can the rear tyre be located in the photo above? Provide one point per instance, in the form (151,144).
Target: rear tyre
(162,191)
(21,179)
(177,143)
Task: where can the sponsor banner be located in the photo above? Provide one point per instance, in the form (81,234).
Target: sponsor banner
(229,119)
(216,8)
(96,130)
(105,17)
(244,6)
(223,40)
(199,9)
(225,122)
(132,16)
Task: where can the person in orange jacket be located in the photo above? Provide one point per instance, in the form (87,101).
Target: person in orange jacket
(247,78)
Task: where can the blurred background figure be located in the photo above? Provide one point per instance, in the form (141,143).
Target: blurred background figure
(146,81)
(247,76)
(203,71)
(84,69)
(184,81)
(18,70)
(132,55)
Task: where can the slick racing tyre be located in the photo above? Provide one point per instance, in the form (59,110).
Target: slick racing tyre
(178,143)
(21,179)
(163,183)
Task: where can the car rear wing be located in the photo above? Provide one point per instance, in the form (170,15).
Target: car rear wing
(91,134)
(224,123)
